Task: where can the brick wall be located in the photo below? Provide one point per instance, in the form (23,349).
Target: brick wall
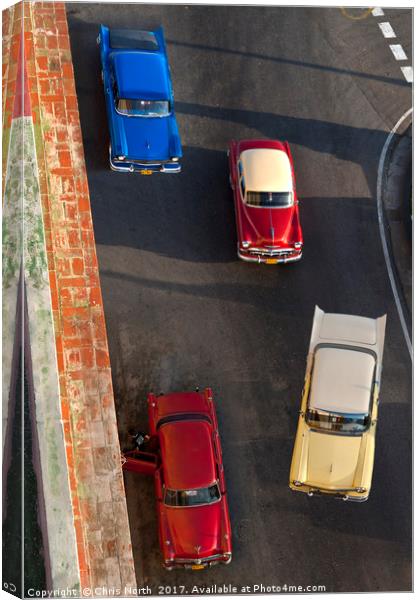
(82,359)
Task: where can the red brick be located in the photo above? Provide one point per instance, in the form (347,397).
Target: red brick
(87,239)
(65,415)
(78,342)
(102,358)
(63,266)
(67,70)
(80,296)
(99,330)
(81,184)
(65,297)
(69,88)
(73,358)
(65,158)
(78,312)
(71,212)
(87,357)
(51,42)
(62,134)
(61,27)
(77,266)
(60,112)
(95,296)
(63,42)
(60,362)
(71,103)
(74,238)
(71,282)
(84,203)
(85,219)
(61,239)
(42,62)
(67,184)
(69,328)
(53,288)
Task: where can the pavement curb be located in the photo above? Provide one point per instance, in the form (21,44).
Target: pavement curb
(86,527)
(396,191)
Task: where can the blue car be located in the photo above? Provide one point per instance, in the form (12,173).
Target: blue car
(144,135)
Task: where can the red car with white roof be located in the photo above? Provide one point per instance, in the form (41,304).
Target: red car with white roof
(266,203)
(193,516)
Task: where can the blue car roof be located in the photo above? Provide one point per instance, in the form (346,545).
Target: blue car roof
(141,74)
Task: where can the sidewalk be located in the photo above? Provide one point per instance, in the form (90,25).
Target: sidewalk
(82,507)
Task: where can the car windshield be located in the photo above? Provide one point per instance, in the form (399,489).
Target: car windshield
(341,423)
(206,495)
(143,108)
(269,199)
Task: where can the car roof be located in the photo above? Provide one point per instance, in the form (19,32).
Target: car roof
(141,75)
(266,170)
(342,380)
(187,454)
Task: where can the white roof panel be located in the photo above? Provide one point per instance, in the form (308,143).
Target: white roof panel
(266,170)
(342,380)
(349,327)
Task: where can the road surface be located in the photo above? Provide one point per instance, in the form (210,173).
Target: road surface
(182,311)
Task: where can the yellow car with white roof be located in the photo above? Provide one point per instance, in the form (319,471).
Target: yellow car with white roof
(335,441)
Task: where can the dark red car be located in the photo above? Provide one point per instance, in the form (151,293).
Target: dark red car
(265,199)
(184,454)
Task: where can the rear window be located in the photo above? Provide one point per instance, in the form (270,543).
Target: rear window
(192,497)
(269,199)
(131,38)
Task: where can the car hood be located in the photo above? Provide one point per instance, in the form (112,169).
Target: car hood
(194,531)
(270,226)
(145,138)
(332,459)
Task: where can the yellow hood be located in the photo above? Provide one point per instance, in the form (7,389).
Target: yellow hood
(332,459)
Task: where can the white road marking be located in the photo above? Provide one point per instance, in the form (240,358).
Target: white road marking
(387,30)
(408,73)
(398,52)
(382,231)
(377,12)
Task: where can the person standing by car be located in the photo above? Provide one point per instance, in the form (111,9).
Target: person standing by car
(138,438)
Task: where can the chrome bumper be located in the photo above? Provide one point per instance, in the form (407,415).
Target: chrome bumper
(337,495)
(262,258)
(187,563)
(169,167)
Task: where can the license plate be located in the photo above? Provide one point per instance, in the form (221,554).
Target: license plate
(198,567)
(146,171)
(271,261)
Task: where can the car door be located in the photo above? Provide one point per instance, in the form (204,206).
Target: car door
(140,462)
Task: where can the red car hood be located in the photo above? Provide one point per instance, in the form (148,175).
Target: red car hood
(194,531)
(267,226)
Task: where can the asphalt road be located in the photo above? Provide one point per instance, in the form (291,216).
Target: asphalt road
(182,311)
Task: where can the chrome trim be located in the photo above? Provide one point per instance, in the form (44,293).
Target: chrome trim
(203,560)
(272,250)
(136,165)
(263,258)
(342,494)
(155,167)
